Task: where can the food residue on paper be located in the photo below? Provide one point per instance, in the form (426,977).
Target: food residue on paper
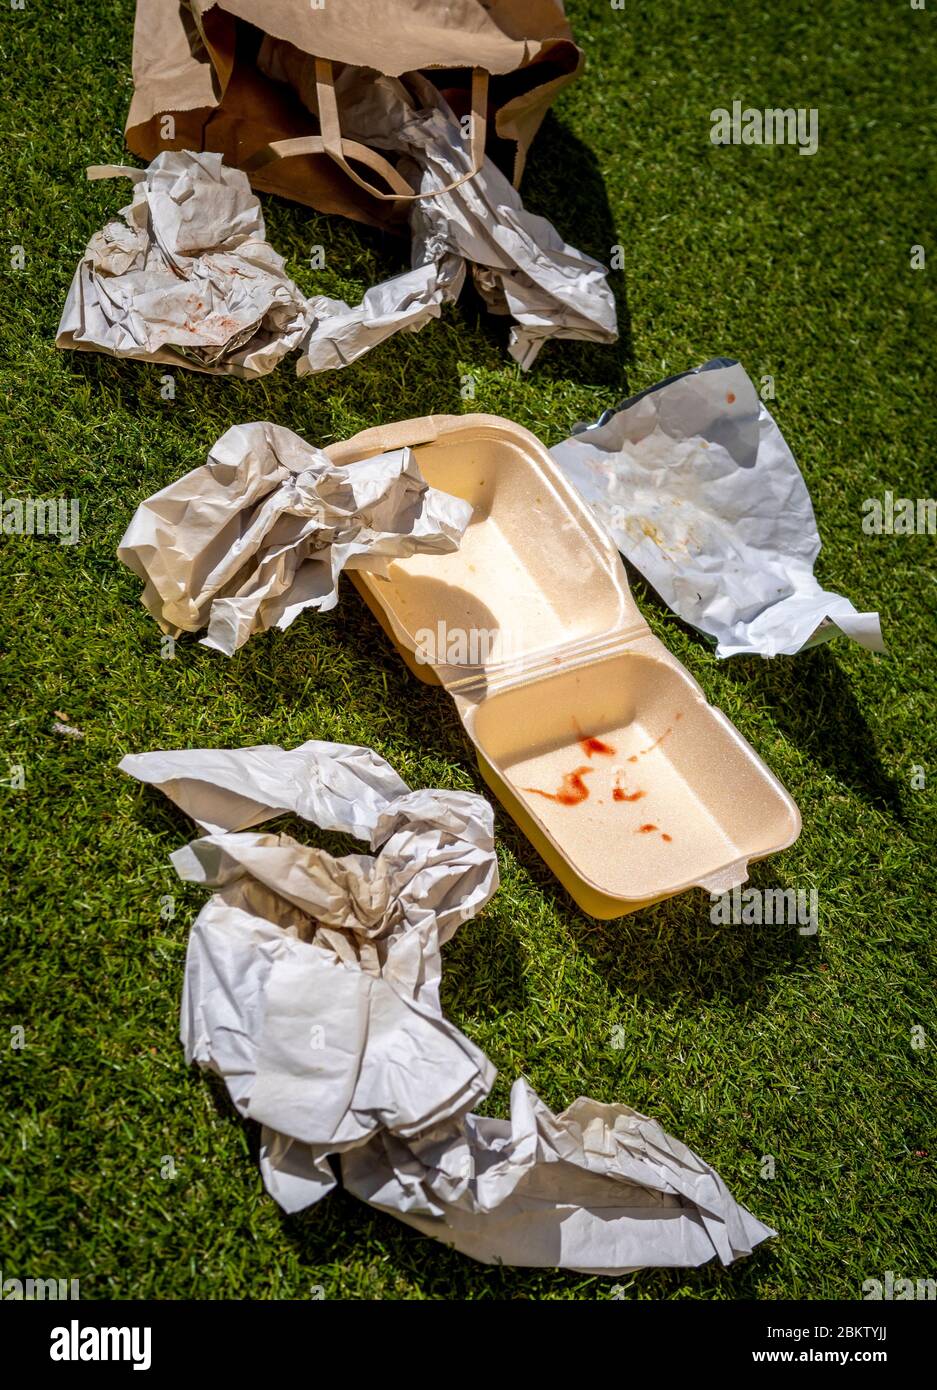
(572,790)
(730,397)
(651,531)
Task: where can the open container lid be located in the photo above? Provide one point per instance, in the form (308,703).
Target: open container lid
(597,740)
(536,581)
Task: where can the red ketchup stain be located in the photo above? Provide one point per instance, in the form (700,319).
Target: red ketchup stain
(594,745)
(590,744)
(649,830)
(572,790)
(619,793)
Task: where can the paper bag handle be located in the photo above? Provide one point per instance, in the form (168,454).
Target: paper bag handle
(332,143)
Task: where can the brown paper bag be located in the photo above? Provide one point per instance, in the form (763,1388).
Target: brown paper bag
(197,85)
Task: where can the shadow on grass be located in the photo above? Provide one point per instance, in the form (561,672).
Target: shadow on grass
(673,951)
(812,701)
(134,389)
(353,668)
(563,182)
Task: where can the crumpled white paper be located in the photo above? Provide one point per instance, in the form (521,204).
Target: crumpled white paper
(697,486)
(264,528)
(187,278)
(312,988)
(521,264)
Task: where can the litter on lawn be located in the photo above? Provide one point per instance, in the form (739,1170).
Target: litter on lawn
(187,278)
(312,988)
(697,485)
(596,739)
(263,529)
(255,80)
(312,983)
(520,263)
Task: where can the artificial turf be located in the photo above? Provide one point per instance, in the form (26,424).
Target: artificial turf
(747,1042)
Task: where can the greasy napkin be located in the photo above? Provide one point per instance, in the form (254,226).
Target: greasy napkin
(312,988)
(187,278)
(701,493)
(264,528)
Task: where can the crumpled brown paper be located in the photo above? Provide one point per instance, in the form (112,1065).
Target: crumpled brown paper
(187,278)
(312,988)
(264,528)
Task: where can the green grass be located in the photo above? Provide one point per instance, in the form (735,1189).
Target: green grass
(743,1041)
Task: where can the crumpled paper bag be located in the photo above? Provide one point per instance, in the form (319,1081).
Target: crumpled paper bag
(312,988)
(521,264)
(187,278)
(264,528)
(700,491)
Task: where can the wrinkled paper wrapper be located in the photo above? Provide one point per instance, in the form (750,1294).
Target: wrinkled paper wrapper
(701,493)
(312,988)
(521,265)
(188,277)
(263,529)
